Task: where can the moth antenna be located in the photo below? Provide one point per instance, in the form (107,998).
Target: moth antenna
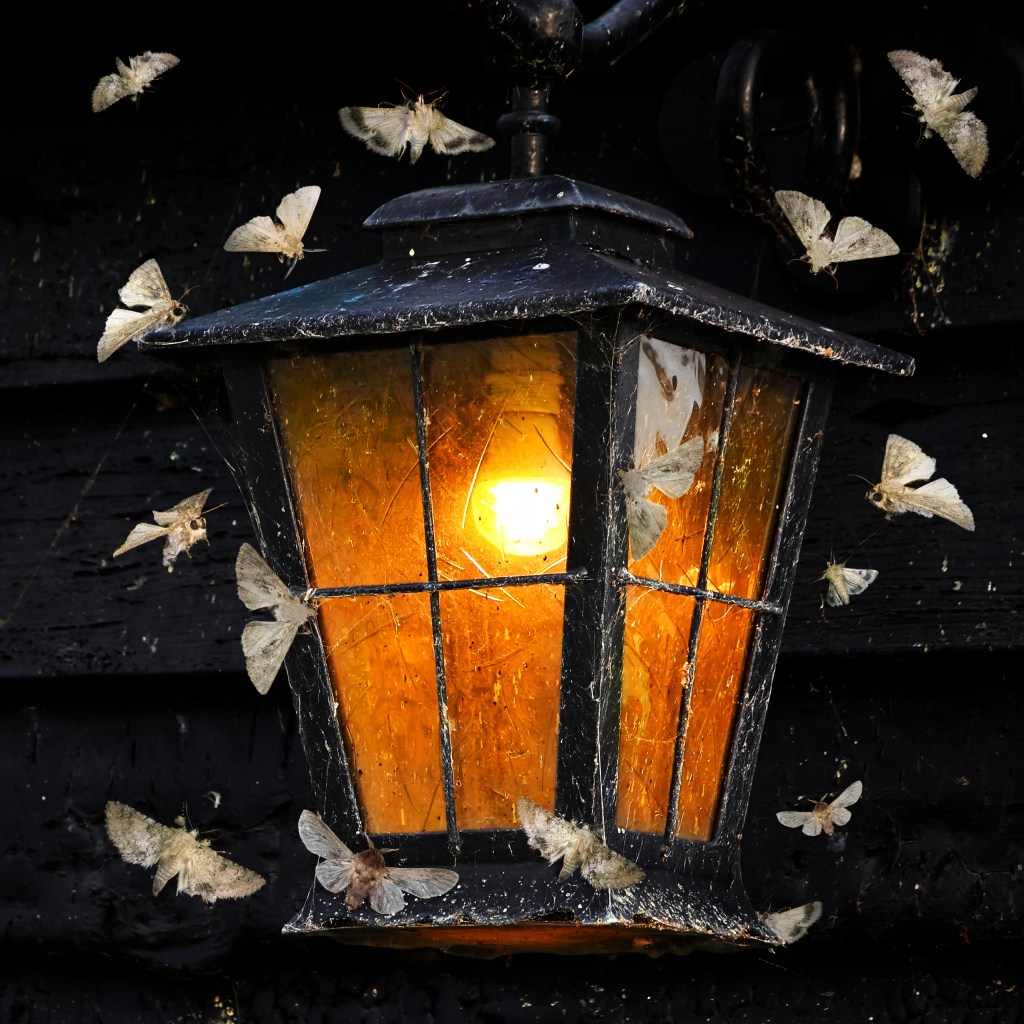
(831,273)
(870,483)
(190,288)
(207,511)
(291,266)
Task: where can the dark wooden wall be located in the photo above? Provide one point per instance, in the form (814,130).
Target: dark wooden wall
(119,680)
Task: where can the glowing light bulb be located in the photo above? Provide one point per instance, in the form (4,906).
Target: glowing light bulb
(522,517)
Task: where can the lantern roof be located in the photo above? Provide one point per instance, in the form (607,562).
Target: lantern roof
(506,251)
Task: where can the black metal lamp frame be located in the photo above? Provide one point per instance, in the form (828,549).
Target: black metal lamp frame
(465,261)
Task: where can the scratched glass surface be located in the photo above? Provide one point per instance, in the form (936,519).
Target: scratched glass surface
(657,632)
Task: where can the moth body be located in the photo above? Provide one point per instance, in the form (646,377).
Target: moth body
(182,526)
(844,582)
(147,288)
(130,79)
(824,816)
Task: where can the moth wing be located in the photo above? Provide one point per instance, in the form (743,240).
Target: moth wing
(793,923)
(109,89)
(840,815)
(856,239)
(383,129)
(138,838)
(808,217)
(837,594)
(927,80)
(334,875)
(260,234)
(606,869)
(265,645)
(296,209)
(123,325)
(449,137)
(319,838)
(849,796)
(550,835)
(386,898)
(812,826)
(793,819)
(673,473)
(646,521)
(150,65)
(967,138)
(857,581)
(172,862)
(258,585)
(904,462)
(213,877)
(146,286)
(939,498)
(424,882)
(186,510)
(141,534)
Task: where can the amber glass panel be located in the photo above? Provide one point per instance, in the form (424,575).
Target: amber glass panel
(349,430)
(653,673)
(767,408)
(502,652)
(382,661)
(500,436)
(721,664)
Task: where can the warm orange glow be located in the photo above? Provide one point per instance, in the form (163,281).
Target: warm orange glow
(522,517)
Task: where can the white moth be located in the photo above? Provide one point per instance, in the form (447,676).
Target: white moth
(824,816)
(903,464)
(942,110)
(365,874)
(673,475)
(262,234)
(265,644)
(178,851)
(131,78)
(855,238)
(146,287)
(390,130)
(793,924)
(183,525)
(577,847)
(844,582)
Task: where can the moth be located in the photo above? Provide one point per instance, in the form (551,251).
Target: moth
(844,582)
(178,851)
(364,874)
(793,924)
(824,816)
(905,463)
(265,644)
(390,130)
(673,475)
(262,234)
(146,287)
(942,110)
(577,847)
(131,78)
(855,238)
(183,525)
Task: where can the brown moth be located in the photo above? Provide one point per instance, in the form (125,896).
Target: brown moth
(855,238)
(824,816)
(146,287)
(942,111)
(390,130)
(262,234)
(793,924)
(905,463)
(673,475)
(577,847)
(265,644)
(178,851)
(131,78)
(844,582)
(364,874)
(183,525)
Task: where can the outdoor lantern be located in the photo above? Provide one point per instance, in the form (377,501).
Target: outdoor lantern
(440,449)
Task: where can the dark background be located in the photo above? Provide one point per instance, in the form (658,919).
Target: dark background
(121,681)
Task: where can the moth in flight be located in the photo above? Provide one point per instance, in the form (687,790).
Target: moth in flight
(183,525)
(942,110)
(131,78)
(844,582)
(265,644)
(673,475)
(577,847)
(178,851)
(364,874)
(262,234)
(905,463)
(793,923)
(824,817)
(855,238)
(146,287)
(414,124)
